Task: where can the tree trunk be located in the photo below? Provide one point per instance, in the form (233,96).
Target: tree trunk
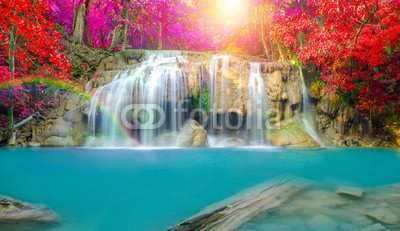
(264,42)
(124,15)
(160,32)
(74,15)
(125,37)
(116,38)
(160,37)
(86,18)
(10,108)
(281,51)
(10,117)
(79,26)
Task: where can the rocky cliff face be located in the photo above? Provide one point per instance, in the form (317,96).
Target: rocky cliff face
(341,124)
(64,125)
(337,124)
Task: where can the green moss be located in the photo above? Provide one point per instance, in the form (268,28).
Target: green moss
(201,100)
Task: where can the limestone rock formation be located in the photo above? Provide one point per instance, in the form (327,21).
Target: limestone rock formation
(13,211)
(192,134)
(384,215)
(322,222)
(351,191)
(243,207)
(56,141)
(290,133)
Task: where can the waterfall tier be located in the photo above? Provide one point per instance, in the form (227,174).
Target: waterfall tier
(171,99)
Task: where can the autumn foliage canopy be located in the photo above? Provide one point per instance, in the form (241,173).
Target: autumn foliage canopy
(353,44)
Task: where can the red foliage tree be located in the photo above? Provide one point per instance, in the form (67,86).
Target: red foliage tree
(29,47)
(354,44)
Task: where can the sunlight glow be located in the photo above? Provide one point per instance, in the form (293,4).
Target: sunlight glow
(232,10)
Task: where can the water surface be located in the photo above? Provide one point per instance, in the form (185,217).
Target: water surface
(131,189)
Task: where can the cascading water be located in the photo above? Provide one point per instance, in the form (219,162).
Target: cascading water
(139,104)
(217,97)
(164,54)
(306,119)
(256,106)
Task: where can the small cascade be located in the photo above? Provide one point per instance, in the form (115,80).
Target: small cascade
(256,106)
(140,104)
(218,72)
(148,54)
(306,119)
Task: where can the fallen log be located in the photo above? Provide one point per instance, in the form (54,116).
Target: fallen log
(232,213)
(29,118)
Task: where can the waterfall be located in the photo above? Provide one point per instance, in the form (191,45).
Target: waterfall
(306,119)
(217,76)
(164,54)
(256,106)
(140,103)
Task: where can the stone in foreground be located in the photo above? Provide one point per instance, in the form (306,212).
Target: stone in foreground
(351,192)
(13,211)
(232,213)
(384,215)
(322,222)
(375,227)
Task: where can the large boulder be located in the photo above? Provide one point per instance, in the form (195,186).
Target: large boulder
(58,127)
(74,116)
(274,86)
(290,133)
(192,134)
(384,216)
(56,141)
(13,211)
(73,101)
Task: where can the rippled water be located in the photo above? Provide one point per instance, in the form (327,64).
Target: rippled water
(130,189)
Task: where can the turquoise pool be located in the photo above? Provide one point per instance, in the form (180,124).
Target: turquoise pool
(131,189)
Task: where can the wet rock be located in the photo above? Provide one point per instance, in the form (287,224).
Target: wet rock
(285,96)
(56,141)
(192,134)
(288,112)
(57,130)
(290,133)
(233,212)
(275,86)
(384,215)
(73,116)
(375,227)
(34,144)
(350,192)
(322,222)
(13,211)
(363,221)
(294,92)
(73,101)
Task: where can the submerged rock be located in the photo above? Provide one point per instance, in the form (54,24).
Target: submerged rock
(234,212)
(351,192)
(13,211)
(322,222)
(375,227)
(384,215)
